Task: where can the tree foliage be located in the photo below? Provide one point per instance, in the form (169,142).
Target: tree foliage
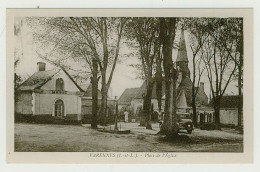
(92,42)
(144,33)
(220,55)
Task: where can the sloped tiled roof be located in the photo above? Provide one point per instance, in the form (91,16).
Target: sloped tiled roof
(230,101)
(37,80)
(142,90)
(128,95)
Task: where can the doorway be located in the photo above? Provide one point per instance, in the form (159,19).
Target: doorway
(59,108)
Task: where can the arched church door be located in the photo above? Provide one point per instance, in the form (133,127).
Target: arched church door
(59,108)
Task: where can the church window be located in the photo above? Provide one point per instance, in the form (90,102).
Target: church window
(59,84)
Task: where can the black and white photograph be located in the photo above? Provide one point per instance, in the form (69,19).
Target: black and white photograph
(103,84)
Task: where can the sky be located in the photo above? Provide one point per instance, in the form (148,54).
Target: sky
(124,76)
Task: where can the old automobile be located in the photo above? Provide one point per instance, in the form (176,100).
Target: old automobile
(184,122)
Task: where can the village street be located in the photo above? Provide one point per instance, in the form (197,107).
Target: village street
(73,138)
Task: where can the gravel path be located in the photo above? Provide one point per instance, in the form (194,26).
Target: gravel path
(69,138)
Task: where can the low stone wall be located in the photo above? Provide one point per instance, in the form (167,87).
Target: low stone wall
(47,119)
(72,117)
(28,118)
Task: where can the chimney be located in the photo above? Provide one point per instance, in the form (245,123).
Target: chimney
(41,66)
(202,85)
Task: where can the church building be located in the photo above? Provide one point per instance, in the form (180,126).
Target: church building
(132,97)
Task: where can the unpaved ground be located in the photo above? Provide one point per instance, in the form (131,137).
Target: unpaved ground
(69,138)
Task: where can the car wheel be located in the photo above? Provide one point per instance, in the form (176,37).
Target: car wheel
(189,127)
(189,131)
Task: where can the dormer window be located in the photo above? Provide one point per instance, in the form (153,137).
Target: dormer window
(59,84)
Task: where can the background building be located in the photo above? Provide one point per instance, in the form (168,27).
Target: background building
(228,109)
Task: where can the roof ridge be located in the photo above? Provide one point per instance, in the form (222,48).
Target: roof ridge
(34,74)
(40,78)
(72,79)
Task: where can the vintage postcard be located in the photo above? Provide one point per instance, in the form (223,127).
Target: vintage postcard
(129,86)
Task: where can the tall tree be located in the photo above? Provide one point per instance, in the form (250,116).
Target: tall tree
(240,66)
(90,42)
(100,33)
(234,26)
(98,36)
(198,36)
(219,65)
(107,29)
(167,36)
(145,32)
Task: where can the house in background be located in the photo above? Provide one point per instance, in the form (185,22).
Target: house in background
(86,103)
(132,100)
(49,94)
(228,109)
(126,99)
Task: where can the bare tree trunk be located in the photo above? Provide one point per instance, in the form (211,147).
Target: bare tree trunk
(240,81)
(103,108)
(104,98)
(193,102)
(159,91)
(194,115)
(142,119)
(167,35)
(169,122)
(166,124)
(159,79)
(94,82)
(174,104)
(217,110)
(170,127)
(194,109)
(147,105)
